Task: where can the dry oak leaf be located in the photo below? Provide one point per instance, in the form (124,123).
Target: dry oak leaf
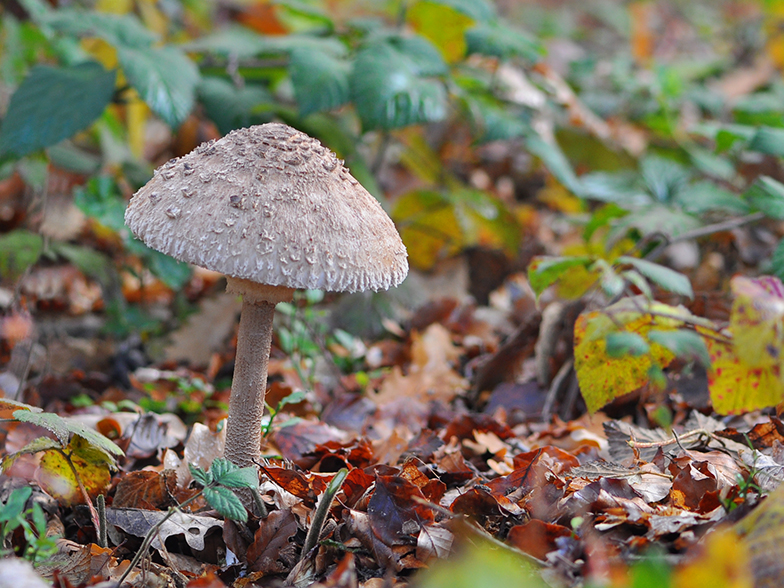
(138,522)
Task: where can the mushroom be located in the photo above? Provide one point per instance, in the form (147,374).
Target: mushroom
(273,210)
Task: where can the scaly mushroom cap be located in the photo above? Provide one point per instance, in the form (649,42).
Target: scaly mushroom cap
(271,205)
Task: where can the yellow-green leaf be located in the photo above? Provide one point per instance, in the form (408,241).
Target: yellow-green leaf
(56,477)
(601,376)
(444,26)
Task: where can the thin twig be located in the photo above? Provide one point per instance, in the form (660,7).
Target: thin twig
(671,441)
(705,231)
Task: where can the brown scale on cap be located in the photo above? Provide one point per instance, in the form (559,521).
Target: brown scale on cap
(273,210)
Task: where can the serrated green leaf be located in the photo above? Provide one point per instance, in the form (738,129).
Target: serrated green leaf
(120,30)
(51,104)
(165,79)
(64,428)
(623,343)
(220,467)
(240,478)
(19,249)
(683,343)
(230,107)
(38,444)
(320,80)
(545,271)
(391,89)
(202,477)
(767,195)
(660,275)
(500,40)
(226,503)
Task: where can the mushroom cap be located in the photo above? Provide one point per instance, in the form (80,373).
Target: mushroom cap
(272,205)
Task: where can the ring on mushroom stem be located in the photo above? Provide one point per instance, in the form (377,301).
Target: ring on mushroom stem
(273,210)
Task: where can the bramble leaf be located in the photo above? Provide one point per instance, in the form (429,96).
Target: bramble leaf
(53,103)
(226,503)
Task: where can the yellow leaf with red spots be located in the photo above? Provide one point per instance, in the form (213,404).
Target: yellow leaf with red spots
(735,386)
(757,321)
(604,377)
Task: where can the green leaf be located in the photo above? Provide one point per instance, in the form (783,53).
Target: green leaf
(175,274)
(500,40)
(556,162)
(777,261)
(15,505)
(116,29)
(545,271)
(226,503)
(390,87)
(660,275)
(612,284)
(52,104)
(478,10)
(240,478)
(89,261)
(202,477)
(293,398)
(683,343)
(100,199)
(19,249)
(39,444)
(230,107)
(663,177)
(706,196)
(624,343)
(64,428)
(320,80)
(165,78)
(220,467)
(767,195)
(769,141)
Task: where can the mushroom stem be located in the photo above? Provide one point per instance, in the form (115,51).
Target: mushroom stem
(249,386)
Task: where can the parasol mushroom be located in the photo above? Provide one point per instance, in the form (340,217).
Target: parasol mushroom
(273,210)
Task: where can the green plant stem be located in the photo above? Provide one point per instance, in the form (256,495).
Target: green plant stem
(151,533)
(321,512)
(101,502)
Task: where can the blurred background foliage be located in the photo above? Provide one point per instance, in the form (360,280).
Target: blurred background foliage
(464,118)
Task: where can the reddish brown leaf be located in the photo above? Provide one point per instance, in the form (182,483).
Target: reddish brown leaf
(476,503)
(690,484)
(537,538)
(761,436)
(208,580)
(455,469)
(394,514)
(356,486)
(272,551)
(145,489)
